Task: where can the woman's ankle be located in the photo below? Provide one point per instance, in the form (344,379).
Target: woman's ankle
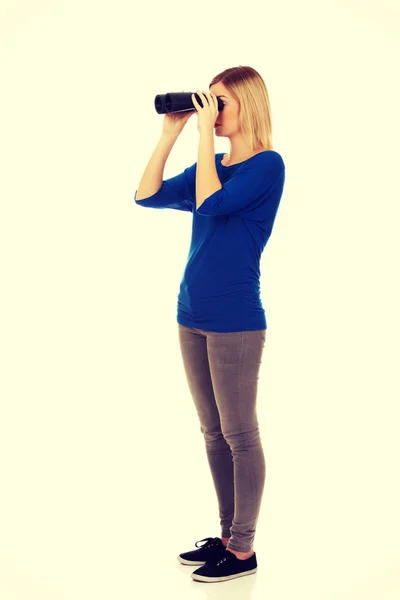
(225,540)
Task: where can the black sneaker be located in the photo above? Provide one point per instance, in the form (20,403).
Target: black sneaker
(208,551)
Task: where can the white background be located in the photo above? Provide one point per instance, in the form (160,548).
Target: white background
(104,478)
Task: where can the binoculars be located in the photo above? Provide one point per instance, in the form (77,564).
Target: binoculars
(179,102)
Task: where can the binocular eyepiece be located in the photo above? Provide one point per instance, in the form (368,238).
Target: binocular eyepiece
(178,102)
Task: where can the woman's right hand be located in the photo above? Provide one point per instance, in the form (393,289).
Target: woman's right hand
(175,122)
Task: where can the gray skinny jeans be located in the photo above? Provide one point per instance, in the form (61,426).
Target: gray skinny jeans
(222,373)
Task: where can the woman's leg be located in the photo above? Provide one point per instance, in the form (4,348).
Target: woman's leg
(193,346)
(234,362)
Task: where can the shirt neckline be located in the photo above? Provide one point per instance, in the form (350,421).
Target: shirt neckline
(222,154)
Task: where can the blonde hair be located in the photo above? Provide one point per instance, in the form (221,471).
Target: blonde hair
(248,87)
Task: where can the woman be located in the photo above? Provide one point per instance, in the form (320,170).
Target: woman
(222,326)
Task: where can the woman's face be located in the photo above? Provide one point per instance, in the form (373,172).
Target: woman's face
(229,115)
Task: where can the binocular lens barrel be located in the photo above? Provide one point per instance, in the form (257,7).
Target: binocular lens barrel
(178,102)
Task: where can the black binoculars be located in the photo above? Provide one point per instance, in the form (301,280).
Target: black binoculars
(179,102)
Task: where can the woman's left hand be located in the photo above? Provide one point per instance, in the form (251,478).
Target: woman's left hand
(207,115)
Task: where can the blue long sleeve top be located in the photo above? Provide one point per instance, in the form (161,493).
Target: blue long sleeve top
(220,286)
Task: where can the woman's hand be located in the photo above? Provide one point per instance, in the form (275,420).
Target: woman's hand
(207,115)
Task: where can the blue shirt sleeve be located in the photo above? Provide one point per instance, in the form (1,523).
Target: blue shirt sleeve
(246,192)
(174,193)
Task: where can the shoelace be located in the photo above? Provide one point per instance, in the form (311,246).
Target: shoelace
(209,542)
